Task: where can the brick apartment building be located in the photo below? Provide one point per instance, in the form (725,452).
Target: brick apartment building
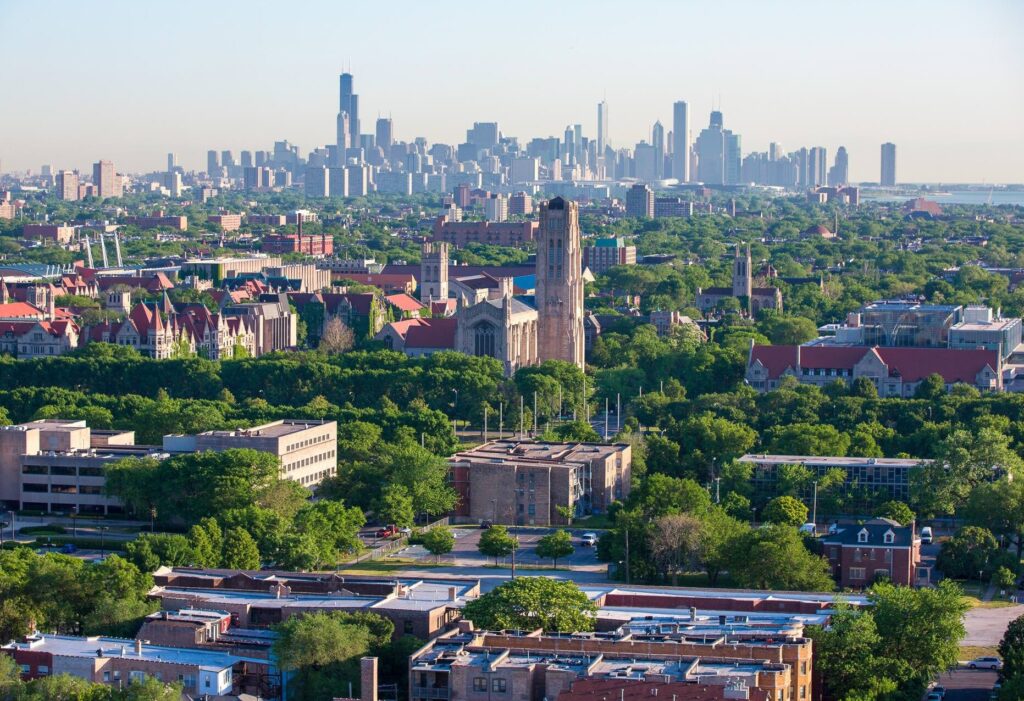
(877,549)
(466,665)
(161,221)
(607,253)
(118,662)
(309,244)
(54,233)
(496,233)
(523,482)
(227,222)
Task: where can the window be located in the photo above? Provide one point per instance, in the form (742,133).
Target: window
(136,676)
(889,537)
(856,573)
(498,685)
(43,669)
(888,555)
(106,676)
(862,537)
(479,684)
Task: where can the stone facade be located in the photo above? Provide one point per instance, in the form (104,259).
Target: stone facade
(559,297)
(503,328)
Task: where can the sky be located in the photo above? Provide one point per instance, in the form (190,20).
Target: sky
(130,81)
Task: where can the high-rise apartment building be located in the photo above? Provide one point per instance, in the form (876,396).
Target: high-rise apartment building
(385,135)
(171,162)
(681,141)
(317,183)
(104,179)
(348,104)
(839,174)
(816,161)
(640,201)
(888,178)
(559,286)
(67,185)
(658,143)
(524,170)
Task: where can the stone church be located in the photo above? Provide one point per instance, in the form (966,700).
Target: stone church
(752,299)
(498,324)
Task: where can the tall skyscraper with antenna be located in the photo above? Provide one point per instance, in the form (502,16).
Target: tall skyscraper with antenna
(349,105)
(602,127)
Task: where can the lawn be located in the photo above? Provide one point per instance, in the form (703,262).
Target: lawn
(971,652)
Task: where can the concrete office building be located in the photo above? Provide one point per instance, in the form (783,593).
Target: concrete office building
(888,175)
(559,291)
(317,182)
(524,170)
(385,132)
(306,449)
(681,141)
(523,482)
(217,269)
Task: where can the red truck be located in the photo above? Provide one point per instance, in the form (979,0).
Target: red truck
(387,531)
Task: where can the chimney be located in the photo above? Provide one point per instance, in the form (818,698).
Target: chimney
(453,593)
(693,613)
(368,679)
(138,647)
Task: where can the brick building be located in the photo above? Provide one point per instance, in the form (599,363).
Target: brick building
(227,222)
(607,253)
(495,233)
(54,233)
(309,244)
(877,549)
(523,482)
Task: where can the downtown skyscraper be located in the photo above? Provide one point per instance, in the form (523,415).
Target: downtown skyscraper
(888,175)
(348,105)
(681,141)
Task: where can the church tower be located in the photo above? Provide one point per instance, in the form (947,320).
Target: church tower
(742,281)
(434,272)
(559,288)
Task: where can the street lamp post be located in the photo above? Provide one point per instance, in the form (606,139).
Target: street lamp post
(455,409)
(814,512)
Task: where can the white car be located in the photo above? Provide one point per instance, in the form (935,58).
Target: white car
(926,535)
(808,529)
(588,539)
(986,663)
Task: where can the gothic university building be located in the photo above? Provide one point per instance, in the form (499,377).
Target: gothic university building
(489,318)
(752,299)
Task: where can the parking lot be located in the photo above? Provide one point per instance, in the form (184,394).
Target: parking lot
(968,684)
(467,540)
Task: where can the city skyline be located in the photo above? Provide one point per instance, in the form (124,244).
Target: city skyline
(431,90)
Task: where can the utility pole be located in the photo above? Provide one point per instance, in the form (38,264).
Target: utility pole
(515,547)
(535,414)
(486,407)
(618,410)
(522,430)
(501,420)
(586,406)
(814,512)
(627,555)
(718,485)
(559,401)
(606,419)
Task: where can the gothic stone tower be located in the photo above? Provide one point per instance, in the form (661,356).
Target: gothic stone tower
(434,272)
(559,289)
(742,280)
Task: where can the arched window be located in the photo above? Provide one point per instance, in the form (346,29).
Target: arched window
(484,335)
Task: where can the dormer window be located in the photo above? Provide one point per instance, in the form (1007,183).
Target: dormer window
(889,537)
(862,537)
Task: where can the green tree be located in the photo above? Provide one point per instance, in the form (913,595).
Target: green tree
(846,656)
(774,557)
(527,603)
(497,542)
(1004,578)
(395,506)
(240,551)
(897,511)
(971,552)
(439,541)
(786,511)
(808,439)
(1011,648)
(932,387)
(555,545)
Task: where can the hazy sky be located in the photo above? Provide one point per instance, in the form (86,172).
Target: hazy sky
(131,80)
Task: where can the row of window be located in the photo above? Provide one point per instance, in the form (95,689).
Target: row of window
(316,477)
(859,573)
(307,442)
(61,489)
(497,685)
(312,460)
(62,470)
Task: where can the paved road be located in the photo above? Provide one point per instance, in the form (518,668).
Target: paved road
(968,684)
(985,626)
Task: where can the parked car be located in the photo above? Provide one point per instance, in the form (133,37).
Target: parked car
(386,531)
(588,539)
(938,689)
(833,528)
(808,529)
(485,525)
(986,663)
(68,548)
(405,531)
(934,697)
(926,535)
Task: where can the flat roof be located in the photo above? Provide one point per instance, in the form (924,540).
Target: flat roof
(828,460)
(73,646)
(512,451)
(994,325)
(274,429)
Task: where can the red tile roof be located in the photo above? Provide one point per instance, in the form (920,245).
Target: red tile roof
(912,364)
(435,333)
(404,302)
(19,310)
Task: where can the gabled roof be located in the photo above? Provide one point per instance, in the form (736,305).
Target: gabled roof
(404,302)
(911,364)
(876,528)
(436,333)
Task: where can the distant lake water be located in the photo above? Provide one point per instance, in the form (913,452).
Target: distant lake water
(1010,197)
